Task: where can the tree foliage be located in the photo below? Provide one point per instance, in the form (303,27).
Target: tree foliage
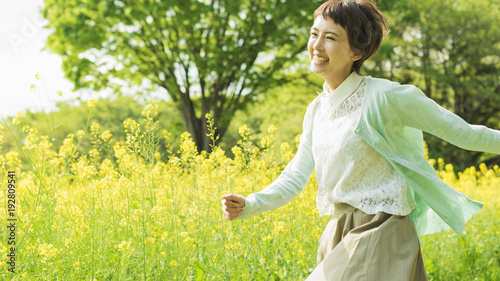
(211,56)
(450,50)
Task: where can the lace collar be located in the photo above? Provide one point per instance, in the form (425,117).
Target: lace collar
(344,90)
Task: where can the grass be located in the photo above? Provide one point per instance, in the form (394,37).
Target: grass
(124,212)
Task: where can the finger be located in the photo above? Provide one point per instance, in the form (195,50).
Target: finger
(235,216)
(230,215)
(232,204)
(236,198)
(231,209)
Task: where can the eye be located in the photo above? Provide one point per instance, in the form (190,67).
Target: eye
(314,34)
(330,38)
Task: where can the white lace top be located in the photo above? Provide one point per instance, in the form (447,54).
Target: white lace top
(348,170)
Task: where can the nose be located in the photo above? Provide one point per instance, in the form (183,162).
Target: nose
(318,44)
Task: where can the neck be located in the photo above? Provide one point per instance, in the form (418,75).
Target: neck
(332,82)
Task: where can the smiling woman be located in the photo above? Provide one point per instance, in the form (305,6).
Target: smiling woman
(344,35)
(363,136)
(331,56)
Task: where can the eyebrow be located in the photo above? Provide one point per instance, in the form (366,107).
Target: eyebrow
(315,29)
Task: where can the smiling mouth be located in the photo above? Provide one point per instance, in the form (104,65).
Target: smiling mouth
(320,59)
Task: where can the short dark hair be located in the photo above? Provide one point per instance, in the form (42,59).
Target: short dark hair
(364,23)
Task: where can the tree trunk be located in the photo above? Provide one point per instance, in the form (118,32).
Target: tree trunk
(197,127)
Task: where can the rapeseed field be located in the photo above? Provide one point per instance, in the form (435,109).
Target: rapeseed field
(122,211)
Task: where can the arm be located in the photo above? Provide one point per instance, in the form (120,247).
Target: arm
(420,112)
(291,181)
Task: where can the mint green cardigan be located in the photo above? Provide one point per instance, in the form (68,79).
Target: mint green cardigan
(392,120)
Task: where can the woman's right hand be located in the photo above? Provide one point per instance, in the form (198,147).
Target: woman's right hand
(232,206)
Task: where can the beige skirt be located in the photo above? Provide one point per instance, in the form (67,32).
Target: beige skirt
(356,246)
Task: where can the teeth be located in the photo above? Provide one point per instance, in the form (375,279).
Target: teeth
(320,59)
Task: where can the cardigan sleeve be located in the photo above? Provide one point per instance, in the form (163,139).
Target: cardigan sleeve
(292,179)
(420,112)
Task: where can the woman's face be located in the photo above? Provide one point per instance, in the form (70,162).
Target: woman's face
(329,50)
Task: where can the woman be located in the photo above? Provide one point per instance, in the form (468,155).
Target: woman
(364,138)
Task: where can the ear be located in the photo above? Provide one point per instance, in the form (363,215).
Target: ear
(356,57)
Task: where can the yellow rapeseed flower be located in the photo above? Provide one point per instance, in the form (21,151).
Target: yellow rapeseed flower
(106,135)
(272,130)
(91,102)
(59,93)
(90,171)
(47,251)
(124,246)
(33,87)
(244,132)
(38,76)
(149,240)
(80,134)
(278,226)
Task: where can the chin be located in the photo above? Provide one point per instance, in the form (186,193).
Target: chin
(314,69)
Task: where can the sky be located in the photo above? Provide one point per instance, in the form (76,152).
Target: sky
(22,39)
(21,57)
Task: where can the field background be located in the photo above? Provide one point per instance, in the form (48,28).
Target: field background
(85,217)
(110,186)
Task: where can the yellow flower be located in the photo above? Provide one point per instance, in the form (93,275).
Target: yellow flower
(20,114)
(80,134)
(173,263)
(267,238)
(47,251)
(278,226)
(106,135)
(59,93)
(149,240)
(38,76)
(33,87)
(244,132)
(124,246)
(272,130)
(90,171)
(91,102)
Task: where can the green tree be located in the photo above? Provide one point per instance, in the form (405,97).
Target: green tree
(209,55)
(450,50)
